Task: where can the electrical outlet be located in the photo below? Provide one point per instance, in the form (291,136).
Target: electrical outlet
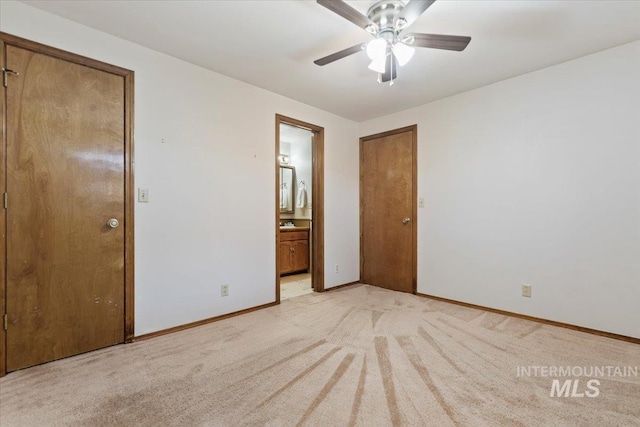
(224,290)
(526,291)
(337,269)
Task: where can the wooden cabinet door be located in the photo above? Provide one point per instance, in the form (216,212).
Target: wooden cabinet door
(300,255)
(285,257)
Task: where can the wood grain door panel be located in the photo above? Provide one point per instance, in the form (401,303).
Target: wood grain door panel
(65,179)
(300,255)
(388,197)
(285,257)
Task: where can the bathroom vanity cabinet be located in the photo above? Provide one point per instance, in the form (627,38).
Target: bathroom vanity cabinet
(294,249)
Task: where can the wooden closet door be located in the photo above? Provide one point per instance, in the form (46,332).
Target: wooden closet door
(388,210)
(65,181)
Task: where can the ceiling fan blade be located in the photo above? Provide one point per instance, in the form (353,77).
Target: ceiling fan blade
(339,55)
(391,68)
(414,9)
(347,12)
(439,41)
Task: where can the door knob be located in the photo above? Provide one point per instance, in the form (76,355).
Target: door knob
(113,223)
(406,220)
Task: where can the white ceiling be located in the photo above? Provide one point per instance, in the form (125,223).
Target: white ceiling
(272,44)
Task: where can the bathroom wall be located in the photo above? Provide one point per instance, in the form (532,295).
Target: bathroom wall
(297,144)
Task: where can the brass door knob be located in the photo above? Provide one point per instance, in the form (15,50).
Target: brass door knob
(406,220)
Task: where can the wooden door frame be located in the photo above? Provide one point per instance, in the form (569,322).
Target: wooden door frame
(128,75)
(414,196)
(317,202)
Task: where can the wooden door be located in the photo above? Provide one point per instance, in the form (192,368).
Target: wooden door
(65,164)
(388,209)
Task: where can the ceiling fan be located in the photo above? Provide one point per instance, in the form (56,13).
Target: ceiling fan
(386,20)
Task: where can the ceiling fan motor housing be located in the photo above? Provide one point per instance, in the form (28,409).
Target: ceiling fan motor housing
(385,14)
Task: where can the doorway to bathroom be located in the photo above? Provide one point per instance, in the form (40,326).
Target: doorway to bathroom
(299,208)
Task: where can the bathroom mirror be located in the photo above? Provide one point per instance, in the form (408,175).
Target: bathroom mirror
(287,182)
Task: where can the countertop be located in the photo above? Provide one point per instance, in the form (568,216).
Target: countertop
(294,228)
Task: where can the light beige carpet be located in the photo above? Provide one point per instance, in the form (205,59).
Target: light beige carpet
(358,356)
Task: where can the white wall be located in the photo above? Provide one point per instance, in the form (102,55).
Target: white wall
(535,179)
(300,156)
(215,169)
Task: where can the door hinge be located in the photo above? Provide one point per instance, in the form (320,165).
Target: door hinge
(5,200)
(5,73)
(5,322)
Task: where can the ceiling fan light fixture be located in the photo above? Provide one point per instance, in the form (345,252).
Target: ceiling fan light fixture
(386,21)
(378,65)
(402,52)
(377,49)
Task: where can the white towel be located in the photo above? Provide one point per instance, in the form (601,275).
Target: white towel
(302,194)
(284,196)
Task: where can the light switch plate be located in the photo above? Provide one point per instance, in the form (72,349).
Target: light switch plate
(143,195)
(421,202)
